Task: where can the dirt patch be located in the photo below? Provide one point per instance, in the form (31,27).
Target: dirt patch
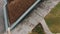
(17,8)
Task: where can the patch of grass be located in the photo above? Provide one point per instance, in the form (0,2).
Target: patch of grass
(38,30)
(53,19)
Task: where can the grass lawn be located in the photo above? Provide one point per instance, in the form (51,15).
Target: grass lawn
(38,30)
(53,19)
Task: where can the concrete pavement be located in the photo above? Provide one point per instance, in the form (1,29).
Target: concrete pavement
(37,16)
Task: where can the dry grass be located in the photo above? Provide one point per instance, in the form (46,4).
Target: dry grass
(38,30)
(53,19)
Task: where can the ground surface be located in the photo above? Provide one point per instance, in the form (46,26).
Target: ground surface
(1,17)
(38,29)
(35,17)
(53,19)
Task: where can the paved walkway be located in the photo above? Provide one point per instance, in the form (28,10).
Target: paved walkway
(42,21)
(37,16)
(1,17)
(47,6)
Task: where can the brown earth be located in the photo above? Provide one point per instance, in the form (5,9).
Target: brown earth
(17,7)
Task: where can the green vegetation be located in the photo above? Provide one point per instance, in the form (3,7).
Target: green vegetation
(53,19)
(38,30)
